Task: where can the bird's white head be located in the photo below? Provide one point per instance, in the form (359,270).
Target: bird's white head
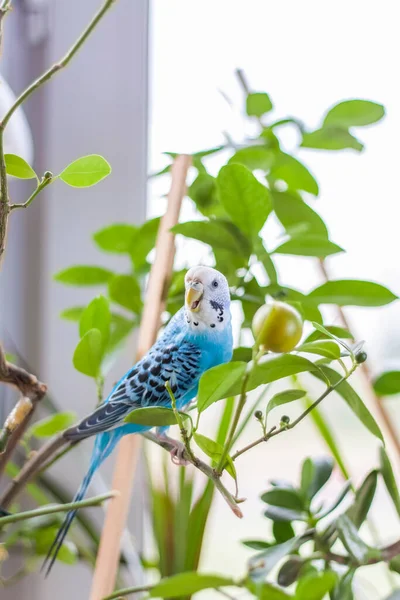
(207,299)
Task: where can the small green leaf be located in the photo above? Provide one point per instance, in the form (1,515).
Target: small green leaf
(352,399)
(214,451)
(88,353)
(96,316)
(262,563)
(154,416)
(354,113)
(355,546)
(186,584)
(277,367)
(291,211)
(144,241)
(86,171)
(281,514)
(215,384)
(283,497)
(257,104)
(254,157)
(388,383)
(327,348)
(308,245)
(51,425)
(84,275)
(18,167)
(125,290)
(315,473)
(283,531)
(215,233)
(349,292)
(344,590)
(331,138)
(315,587)
(242,353)
(257,544)
(283,398)
(115,238)
(389,479)
(336,332)
(294,173)
(266,591)
(290,571)
(120,329)
(244,198)
(72,314)
(203,192)
(358,511)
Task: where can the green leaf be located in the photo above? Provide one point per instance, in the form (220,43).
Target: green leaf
(308,245)
(330,138)
(283,398)
(256,544)
(336,332)
(115,238)
(352,399)
(315,587)
(125,290)
(257,104)
(242,353)
(96,316)
(291,211)
(340,497)
(290,571)
(144,241)
(354,113)
(215,384)
(283,497)
(294,173)
(327,348)
(283,531)
(43,540)
(186,584)
(357,549)
(358,511)
(51,425)
(154,416)
(86,171)
(120,329)
(18,167)
(394,564)
(389,479)
(281,514)
(214,451)
(254,157)
(72,314)
(350,292)
(262,563)
(203,192)
(89,353)
(84,275)
(314,475)
(388,383)
(266,591)
(344,590)
(277,367)
(215,233)
(244,198)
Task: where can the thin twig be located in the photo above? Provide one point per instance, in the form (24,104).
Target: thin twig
(55,508)
(204,468)
(131,590)
(45,181)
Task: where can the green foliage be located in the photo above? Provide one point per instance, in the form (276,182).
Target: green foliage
(18,167)
(349,292)
(85,171)
(52,425)
(216,383)
(88,353)
(283,398)
(354,113)
(389,479)
(84,275)
(257,104)
(125,291)
(187,583)
(156,416)
(388,383)
(116,238)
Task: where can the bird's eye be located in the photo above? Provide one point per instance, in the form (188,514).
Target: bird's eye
(215,283)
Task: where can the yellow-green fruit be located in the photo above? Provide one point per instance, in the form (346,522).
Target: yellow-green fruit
(277,327)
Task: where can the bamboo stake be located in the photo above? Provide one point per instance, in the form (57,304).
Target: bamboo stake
(129,447)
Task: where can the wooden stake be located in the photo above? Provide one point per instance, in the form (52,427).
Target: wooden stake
(109,550)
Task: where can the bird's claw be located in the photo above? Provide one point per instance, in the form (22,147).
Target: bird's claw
(177,455)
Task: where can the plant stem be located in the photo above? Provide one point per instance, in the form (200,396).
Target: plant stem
(43,183)
(204,468)
(274,431)
(48,510)
(182,428)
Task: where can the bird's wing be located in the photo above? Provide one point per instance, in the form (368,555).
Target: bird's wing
(144,385)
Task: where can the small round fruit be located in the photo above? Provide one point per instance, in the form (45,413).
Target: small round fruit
(361,357)
(258,415)
(277,327)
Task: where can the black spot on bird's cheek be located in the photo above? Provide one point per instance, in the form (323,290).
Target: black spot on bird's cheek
(212,325)
(220,319)
(194,323)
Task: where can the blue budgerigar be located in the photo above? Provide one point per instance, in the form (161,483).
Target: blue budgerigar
(197,338)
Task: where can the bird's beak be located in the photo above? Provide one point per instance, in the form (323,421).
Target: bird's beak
(194,295)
